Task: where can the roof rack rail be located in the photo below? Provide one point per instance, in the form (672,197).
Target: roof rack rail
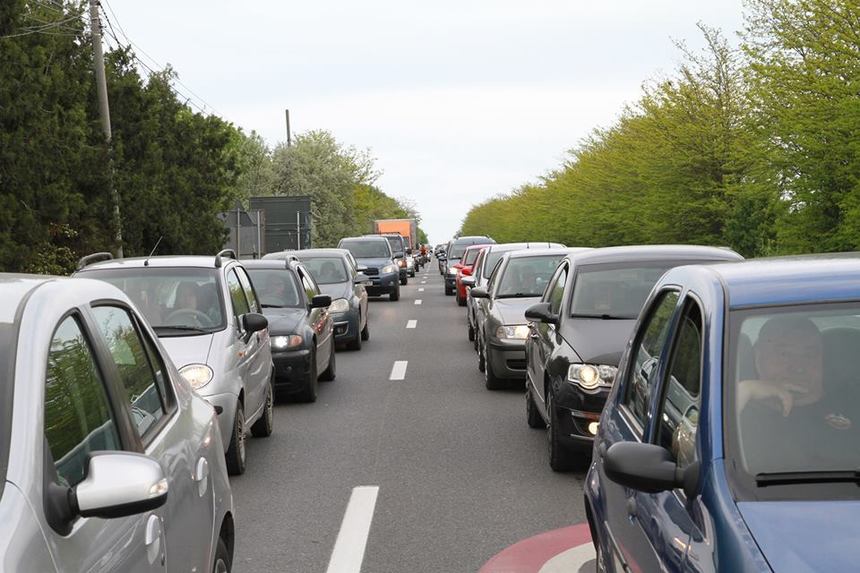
(224,253)
(94,258)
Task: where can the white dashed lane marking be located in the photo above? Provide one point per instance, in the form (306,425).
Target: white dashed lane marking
(412,324)
(398,371)
(348,552)
(420,289)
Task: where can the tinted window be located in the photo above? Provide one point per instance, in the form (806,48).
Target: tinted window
(249,290)
(277,288)
(367,248)
(557,292)
(679,407)
(492,258)
(78,418)
(170,297)
(145,400)
(396,246)
(326,270)
(458,248)
(646,352)
(237,294)
(618,292)
(526,276)
(471,257)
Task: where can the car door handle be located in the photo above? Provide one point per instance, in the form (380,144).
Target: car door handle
(154,540)
(631,507)
(201,476)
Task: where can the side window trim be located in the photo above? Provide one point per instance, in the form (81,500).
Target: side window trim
(236,314)
(248,287)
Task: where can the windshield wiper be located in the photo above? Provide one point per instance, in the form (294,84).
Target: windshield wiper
(518,295)
(601,316)
(789,478)
(158,329)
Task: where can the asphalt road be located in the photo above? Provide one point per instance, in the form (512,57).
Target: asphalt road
(460,476)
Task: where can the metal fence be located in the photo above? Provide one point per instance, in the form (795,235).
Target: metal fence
(247,232)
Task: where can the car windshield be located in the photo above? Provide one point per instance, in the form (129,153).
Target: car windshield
(275,287)
(471,256)
(492,258)
(367,249)
(604,291)
(175,301)
(457,249)
(396,245)
(526,276)
(326,270)
(793,403)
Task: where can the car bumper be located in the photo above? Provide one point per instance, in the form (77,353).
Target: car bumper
(577,410)
(291,369)
(508,359)
(225,404)
(383,284)
(346,326)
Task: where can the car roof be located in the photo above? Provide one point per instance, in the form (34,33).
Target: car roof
(471,239)
(524,253)
(161,261)
(529,245)
(287,263)
(315,253)
(786,280)
(634,253)
(365,238)
(14,289)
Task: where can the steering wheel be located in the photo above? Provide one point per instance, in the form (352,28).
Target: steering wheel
(191,312)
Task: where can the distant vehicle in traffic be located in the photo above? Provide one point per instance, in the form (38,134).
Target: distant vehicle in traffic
(336,273)
(518,281)
(729,441)
(577,333)
(301,328)
(207,315)
(398,250)
(452,258)
(406,228)
(376,260)
(464,269)
(108,459)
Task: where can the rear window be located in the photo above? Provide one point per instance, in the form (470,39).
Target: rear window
(614,291)
(367,248)
(396,245)
(276,288)
(326,270)
(527,276)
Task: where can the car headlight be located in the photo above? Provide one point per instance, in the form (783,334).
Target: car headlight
(284,342)
(513,332)
(198,375)
(389,269)
(591,376)
(339,305)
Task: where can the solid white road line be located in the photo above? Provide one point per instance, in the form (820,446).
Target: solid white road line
(412,324)
(418,301)
(351,541)
(398,371)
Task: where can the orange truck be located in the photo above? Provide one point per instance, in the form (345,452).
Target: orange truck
(406,228)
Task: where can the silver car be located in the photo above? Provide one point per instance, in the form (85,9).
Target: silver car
(108,460)
(208,317)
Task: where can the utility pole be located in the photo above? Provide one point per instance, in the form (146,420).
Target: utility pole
(104,114)
(289,134)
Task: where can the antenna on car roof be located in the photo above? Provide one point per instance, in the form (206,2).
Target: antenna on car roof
(155,248)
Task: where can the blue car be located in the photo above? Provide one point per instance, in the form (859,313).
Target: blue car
(731,438)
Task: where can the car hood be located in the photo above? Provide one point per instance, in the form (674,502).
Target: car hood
(337,290)
(184,350)
(513,310)
(597,341)
(284,320)
(805,535)
(373,263)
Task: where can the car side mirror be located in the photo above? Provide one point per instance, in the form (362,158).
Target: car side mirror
(479,292)
(254,322)
(361,278)
(540,312)
(468,281)
(119,484)
(321,301)
(648,468)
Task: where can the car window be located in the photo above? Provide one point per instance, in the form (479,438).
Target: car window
(326,270)
(277,287)
(146,402)
(253,303)
(78,417)
(679,405)
(367,248)
(526,276)
(237,294)
(311,289)
(556,291)
(646,349)
(615,291)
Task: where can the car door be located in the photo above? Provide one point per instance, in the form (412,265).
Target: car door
(542,335)
(628,419)
(359,290)
(168,434)
(259,355)
(81,415)
(241,340)
(319,318)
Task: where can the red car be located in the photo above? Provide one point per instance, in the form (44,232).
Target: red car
(464,269)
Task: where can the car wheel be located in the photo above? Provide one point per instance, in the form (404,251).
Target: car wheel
(365,332)
(533,417)
(235,455)
(223,560)
(480,351)
(355,343)
(309,391)
(330,372)
(559,457)
(448,291)
(491,381)
(395,294)
(461,301)
(262,428)
(471,333)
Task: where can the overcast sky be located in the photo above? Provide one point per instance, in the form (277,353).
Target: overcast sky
(458,100)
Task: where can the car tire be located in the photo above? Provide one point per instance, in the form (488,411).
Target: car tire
(448,291)
(560,458)
(533,417)
(365,332)
(461,301)
(491,381)
(329,374)
(355,343)
(471,333)
(480,352)
(235,455)
(394,296)
(309,391)
(262,428)
(223,560)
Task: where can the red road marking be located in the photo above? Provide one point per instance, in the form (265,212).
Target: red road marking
(529,555)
